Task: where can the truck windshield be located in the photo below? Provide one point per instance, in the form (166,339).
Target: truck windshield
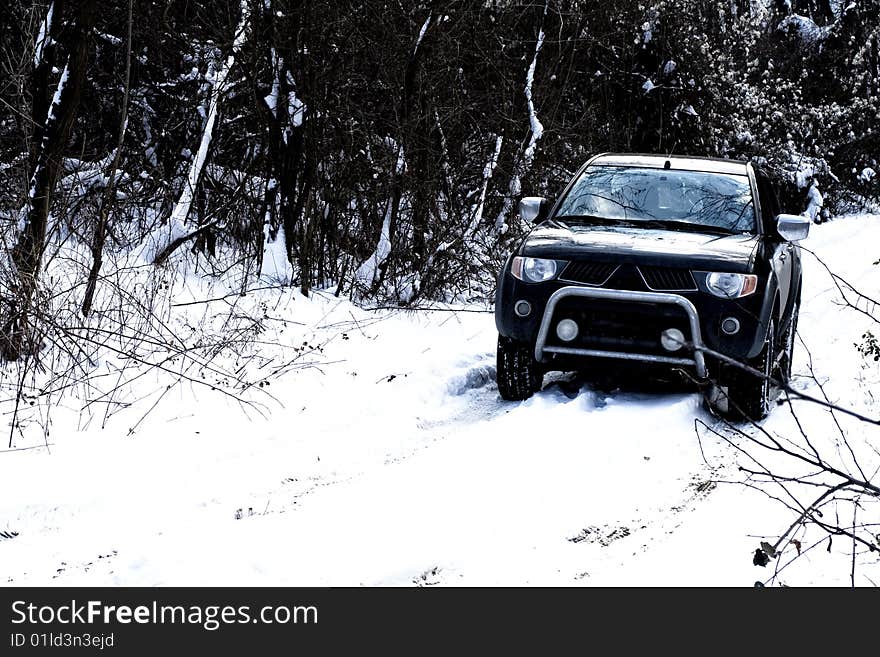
(666,197)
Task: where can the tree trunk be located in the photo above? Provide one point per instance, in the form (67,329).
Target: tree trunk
(56,126)
(176,232)
(44,60)
(100,234)
(372,272)
(522,165)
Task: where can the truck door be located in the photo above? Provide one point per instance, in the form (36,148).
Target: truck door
(782,253)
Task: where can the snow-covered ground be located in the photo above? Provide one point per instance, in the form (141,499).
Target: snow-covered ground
(383,455)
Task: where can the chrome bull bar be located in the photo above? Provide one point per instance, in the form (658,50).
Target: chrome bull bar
(696,343)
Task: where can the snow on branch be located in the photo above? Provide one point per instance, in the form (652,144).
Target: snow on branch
(807,31)
(43,38)
(271,100)
(487,176)
(368,272)
(176,228)
(51,117)
(536,130)
(421,36)
(56,99)
(534,124)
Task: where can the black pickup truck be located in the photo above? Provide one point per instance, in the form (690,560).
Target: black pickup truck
(665,261)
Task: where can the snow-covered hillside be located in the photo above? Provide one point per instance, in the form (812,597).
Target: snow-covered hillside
(383,455)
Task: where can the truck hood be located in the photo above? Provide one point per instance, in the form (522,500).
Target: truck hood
(692,250)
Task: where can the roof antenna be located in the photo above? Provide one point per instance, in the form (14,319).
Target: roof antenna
(667,164)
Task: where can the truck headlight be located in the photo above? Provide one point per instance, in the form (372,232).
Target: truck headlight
(731,286)
(533,270)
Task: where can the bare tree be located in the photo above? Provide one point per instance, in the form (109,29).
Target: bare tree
(49,147)
(101,227)
(176,233)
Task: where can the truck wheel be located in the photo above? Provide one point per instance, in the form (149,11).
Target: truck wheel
(787,344)
(740,395)
(518,373)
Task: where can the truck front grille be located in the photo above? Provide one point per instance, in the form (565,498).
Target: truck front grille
(587,273)
(664,279)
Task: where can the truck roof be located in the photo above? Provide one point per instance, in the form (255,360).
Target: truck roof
(681,163)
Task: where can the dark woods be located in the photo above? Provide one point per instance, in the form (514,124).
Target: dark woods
(380,147)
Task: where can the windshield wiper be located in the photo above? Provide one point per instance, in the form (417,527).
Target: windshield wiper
(662,224)
(672,224)
(592,219)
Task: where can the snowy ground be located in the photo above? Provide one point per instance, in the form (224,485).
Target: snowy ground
(386,457)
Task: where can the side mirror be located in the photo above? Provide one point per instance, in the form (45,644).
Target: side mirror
(792,227)
(533,209)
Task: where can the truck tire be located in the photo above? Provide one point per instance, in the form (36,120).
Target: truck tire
(518,374)
(786,343)
(741,394)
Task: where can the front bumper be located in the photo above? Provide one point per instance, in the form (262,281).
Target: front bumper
(696,346)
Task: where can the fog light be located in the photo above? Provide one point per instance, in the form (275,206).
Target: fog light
(567,330)
(672,339)
(522,308)
(730,325)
